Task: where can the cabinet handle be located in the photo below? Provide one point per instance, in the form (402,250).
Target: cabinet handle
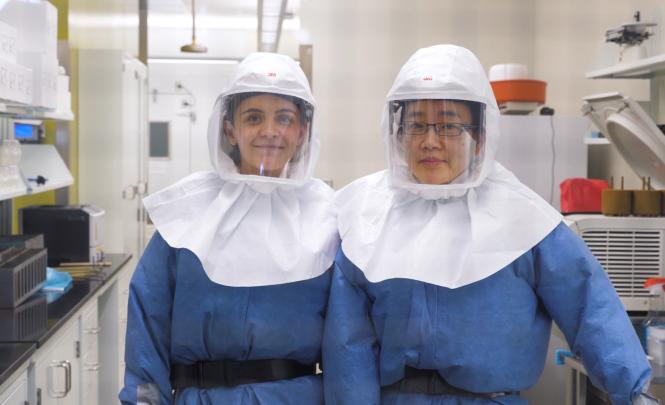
(142,187)
(68,379)
(129,192)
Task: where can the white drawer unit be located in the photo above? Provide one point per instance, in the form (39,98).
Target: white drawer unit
(68,367)
(89,352)
(56,369)
(123,284)
(17,393)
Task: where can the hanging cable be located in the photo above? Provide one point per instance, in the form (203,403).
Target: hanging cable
(553,160)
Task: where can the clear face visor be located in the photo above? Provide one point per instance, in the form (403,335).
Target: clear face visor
(437,141)
(267,134)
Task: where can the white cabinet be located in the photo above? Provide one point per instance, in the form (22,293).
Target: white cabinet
(123,287)
(56,369)
(113,321)
(81,363)
(89,355)
(66,369)
(113,126)
(542,151)
(17,393)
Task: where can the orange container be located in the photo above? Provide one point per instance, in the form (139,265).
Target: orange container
(519,90)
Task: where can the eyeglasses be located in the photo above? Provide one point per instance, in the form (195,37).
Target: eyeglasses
(445,129)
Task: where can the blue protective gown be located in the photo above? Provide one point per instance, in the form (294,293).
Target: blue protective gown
(177,315)
(489,336)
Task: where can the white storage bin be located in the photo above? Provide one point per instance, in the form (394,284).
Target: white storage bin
(44,78)
(37,25)
(8,35)
(15,83)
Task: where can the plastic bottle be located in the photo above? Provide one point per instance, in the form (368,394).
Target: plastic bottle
(654,323)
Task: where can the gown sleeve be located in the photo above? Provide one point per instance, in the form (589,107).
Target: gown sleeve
(147,350)
(350,350)
(580,298)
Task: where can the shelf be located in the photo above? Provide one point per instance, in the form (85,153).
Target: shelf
(41,160)
(17,193)
(639,69)
(52,185)
(36,190)
(597,141)
(38,113)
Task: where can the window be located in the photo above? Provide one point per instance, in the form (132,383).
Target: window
(159,140)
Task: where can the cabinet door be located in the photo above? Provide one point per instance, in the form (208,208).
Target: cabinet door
(123,287)
(17,393)
(57,371)
(131,150)
(143,157)
(90,364)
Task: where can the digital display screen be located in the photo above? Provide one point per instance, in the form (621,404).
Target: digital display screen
(25,132)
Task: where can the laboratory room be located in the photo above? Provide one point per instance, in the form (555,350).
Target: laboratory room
(308,202)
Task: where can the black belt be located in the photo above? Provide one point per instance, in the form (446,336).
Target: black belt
(430,382)
(228,373)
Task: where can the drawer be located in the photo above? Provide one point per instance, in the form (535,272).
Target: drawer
(90,330)
(17,393)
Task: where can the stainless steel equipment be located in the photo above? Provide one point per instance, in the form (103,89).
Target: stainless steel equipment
(22,273)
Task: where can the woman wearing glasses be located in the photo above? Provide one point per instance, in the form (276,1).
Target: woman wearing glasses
(451,271)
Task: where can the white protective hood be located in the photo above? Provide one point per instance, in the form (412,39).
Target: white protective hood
(251,230)
(448,235)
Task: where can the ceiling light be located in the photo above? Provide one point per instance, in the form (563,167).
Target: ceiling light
(194,47)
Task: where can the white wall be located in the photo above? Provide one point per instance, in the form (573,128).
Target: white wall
(189,149)
(569,41)
(359,47)
(104,24)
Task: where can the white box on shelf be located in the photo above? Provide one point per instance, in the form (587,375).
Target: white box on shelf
(24,83)
(64,102)
(8,35)
(63,83)
(15,83)
(64,97)
(44,78)
(37,25)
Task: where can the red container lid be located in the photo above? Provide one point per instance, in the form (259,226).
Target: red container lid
(519,90)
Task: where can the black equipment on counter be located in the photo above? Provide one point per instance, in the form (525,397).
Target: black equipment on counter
(72,233)
(22,273)
(22,241)
(26,322)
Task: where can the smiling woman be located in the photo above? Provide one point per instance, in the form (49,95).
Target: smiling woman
(265,132)
(239,255)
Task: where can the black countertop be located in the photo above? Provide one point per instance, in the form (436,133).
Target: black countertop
(13,354)
(60,310)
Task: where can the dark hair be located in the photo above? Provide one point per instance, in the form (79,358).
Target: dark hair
(398,109)
(305,109)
